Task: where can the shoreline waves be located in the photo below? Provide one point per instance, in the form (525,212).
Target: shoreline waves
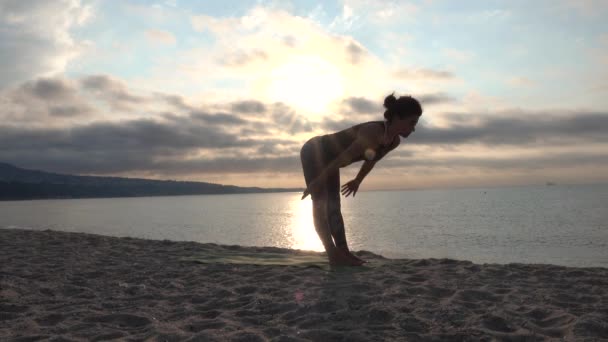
(82,287)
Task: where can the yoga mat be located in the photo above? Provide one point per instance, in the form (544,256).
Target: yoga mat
(270,258)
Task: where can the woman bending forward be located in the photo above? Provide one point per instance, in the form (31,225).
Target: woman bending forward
(323,156)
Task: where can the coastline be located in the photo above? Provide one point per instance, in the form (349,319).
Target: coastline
(81,286)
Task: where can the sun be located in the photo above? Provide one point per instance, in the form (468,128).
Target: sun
(306,82)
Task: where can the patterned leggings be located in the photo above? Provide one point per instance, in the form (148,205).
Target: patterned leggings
(326,201)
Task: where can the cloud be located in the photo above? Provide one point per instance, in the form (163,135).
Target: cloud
(216,26)
(364,107)
(35,37)
(517,128)
(241,57)
(176,101)
(286,118)
(437,98)
(357,13)
(69,111)
(40,101)
(360,105)
(355,52)
(112,90)
(160,36)
(270,54)
(248,107)
(103,145)
(461,56)
(423,74)
(140,134)
(54,136)
(217,119)
(164,134)
(245,165)
(135,146)
(519,81)
(492,15)
(522,162)
(584,7)
(49,89)
(331,125)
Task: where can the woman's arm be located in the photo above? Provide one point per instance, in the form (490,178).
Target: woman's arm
(353,186)
(367,166)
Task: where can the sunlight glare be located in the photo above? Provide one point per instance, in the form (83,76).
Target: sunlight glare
(309,83)
(303,230)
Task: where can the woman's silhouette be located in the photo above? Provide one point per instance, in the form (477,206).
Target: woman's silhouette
(323,156)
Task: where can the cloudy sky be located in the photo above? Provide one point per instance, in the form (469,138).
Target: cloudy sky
(514,92)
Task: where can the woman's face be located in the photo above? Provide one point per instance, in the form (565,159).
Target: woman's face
(405,126)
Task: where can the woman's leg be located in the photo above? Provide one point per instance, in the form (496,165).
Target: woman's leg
(336,222)
(312,166)
(322,227)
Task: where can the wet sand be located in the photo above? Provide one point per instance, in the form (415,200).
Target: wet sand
(82,287)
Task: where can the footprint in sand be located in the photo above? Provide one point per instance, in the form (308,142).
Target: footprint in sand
(198,299)
(245,336)
(440,292)
(380,316)
(356,302)
(311,321)
(206,324)
(210,314)
(413,324)
(476,296)
(12,308)
(50,320)
(496,323)
(109,336)
(555,323)
(591,326)
(417,278)
(203,336)
(245,290)
(121,320)
(284,278)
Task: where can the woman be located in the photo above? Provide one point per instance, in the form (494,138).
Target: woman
(323,156)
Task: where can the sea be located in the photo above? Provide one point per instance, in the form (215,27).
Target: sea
(558,224)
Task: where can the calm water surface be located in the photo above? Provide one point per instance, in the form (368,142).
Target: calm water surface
(565,225)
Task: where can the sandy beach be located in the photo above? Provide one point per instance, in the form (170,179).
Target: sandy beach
(81,287)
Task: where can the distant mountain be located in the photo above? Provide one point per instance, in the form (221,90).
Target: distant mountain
(18,184)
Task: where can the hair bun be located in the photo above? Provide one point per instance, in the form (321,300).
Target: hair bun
(390,101)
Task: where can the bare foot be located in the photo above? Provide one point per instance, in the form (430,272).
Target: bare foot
(341,258)
(356,257)
(352,256)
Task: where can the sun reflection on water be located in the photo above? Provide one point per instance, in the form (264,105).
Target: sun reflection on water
(303,232)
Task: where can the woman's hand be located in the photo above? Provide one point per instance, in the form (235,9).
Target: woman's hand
(350,188)
(312,187)
(305,193)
